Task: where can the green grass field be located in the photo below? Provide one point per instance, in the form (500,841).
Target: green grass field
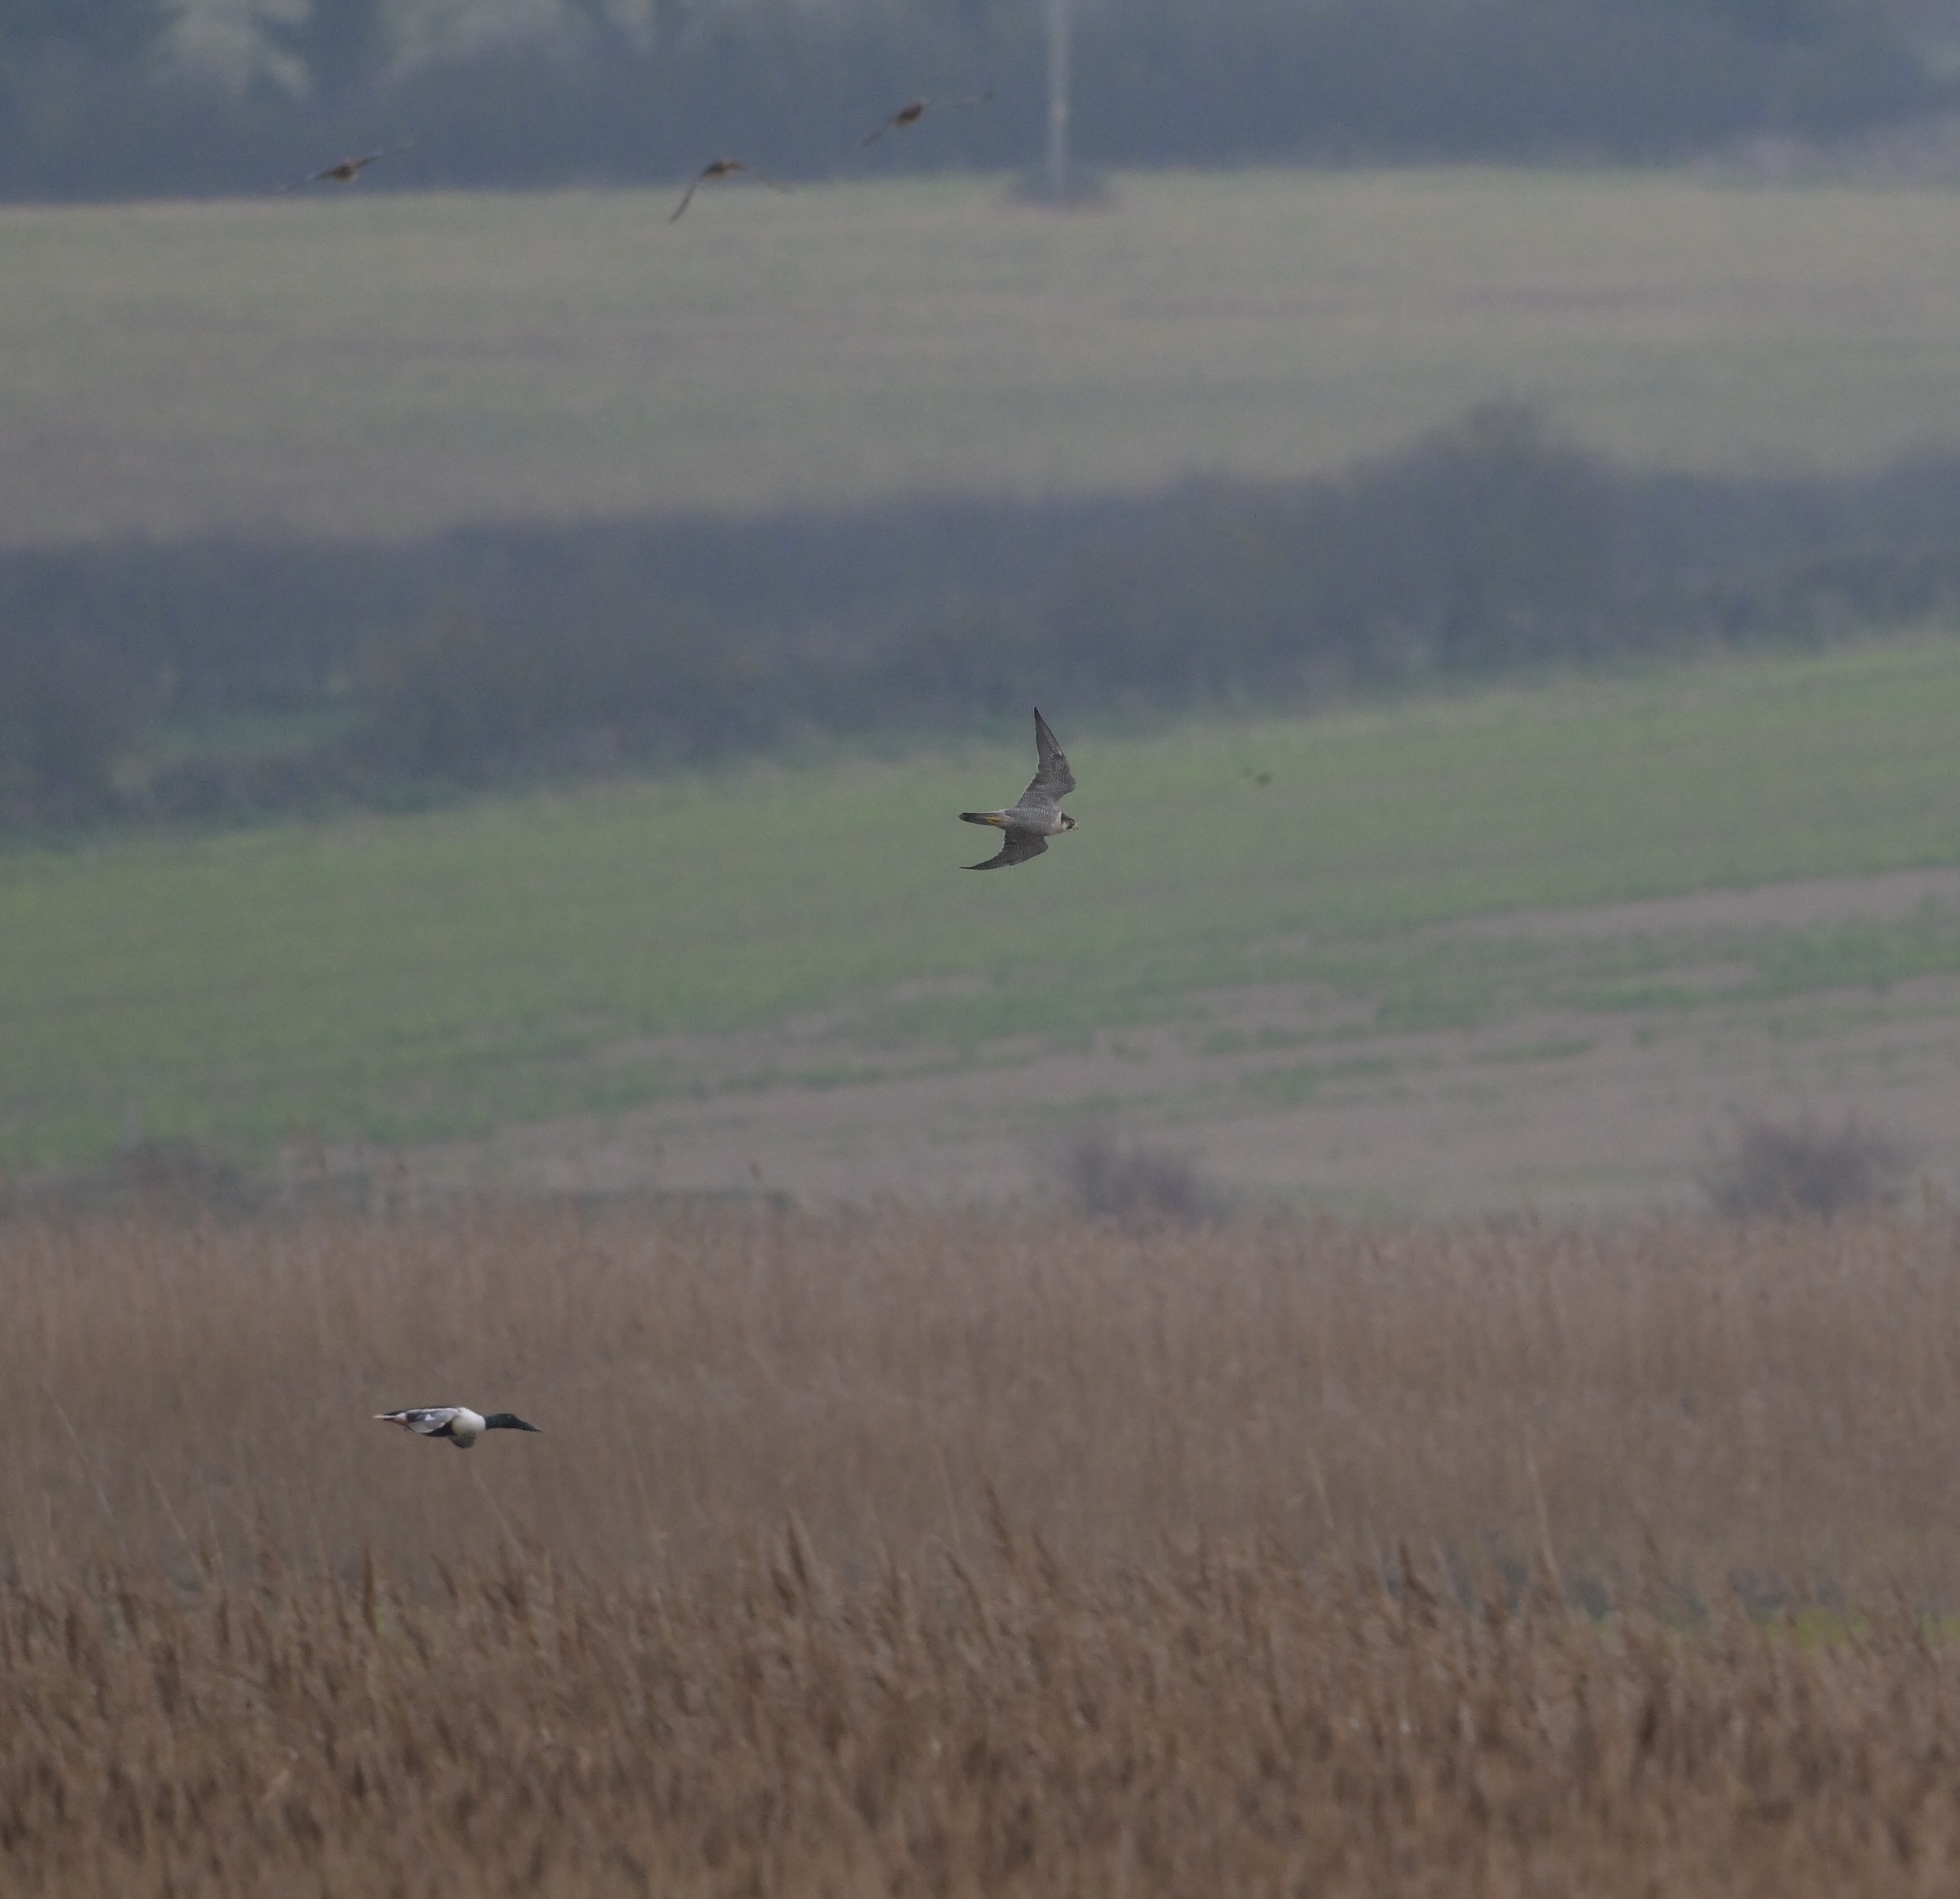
(401,978)
(388,365)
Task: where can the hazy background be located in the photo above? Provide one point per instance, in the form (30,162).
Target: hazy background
(488,671)
(106,97)
(1392,1298)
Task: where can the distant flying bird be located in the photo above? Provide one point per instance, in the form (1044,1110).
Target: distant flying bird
(344,171)
(457,1423)
(1039,815)
(721,168)
(911,114)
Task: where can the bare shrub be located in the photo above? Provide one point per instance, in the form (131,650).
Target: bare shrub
(167,1178)
(1804,1166)
(177,1176)
(1084,188)
(1137,1185)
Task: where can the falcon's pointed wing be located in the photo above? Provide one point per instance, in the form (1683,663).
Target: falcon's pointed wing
(1016,847)
(1052,780)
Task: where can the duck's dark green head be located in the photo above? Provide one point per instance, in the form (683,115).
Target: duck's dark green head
(506,1421)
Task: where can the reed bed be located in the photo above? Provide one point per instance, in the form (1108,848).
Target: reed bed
(904,1553)
(1215,1725)
(1781,1402)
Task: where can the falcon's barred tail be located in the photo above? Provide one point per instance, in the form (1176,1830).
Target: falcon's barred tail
(981,817)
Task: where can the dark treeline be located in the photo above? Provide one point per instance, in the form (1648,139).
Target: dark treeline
(93,104)
(216,680)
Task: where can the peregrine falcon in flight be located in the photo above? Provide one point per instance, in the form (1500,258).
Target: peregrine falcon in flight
(1039,815)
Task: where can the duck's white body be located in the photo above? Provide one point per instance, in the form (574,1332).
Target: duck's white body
(457,1422)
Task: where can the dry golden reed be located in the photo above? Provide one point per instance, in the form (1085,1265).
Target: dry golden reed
(1780,1401)
(892,1551)
(1211,1725)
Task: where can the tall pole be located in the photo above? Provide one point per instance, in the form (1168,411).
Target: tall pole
(1057,98)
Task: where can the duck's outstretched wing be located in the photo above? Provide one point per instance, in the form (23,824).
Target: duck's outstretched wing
(311,177)
(1016,847)
(687,197)
(723,168)
(905,115)
(430,1421)
(1052,780)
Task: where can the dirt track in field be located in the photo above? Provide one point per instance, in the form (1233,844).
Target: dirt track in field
(1289,1090)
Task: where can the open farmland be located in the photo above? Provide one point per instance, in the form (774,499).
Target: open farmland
(979,1555)
(387,364)
(675,982)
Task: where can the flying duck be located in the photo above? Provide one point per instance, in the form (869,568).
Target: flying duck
(1039,816)
(721,168)
(911,114)
(457,1422)
(344,171)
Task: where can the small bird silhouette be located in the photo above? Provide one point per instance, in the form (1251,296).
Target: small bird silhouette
(344,171)
(721,168)
(911,114)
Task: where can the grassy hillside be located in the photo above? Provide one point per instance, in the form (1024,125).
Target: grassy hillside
(410,976)
(388,365)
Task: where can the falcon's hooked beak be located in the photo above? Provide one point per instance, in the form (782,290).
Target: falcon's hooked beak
(1068,823)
